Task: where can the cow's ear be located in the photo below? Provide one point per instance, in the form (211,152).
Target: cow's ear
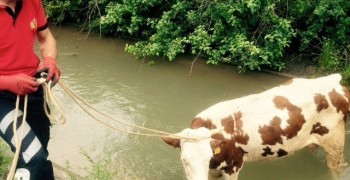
(172,142)
(215,144)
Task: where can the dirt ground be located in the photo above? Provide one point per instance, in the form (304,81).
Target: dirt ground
(62,173)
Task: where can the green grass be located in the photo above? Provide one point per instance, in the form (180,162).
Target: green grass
(5,159)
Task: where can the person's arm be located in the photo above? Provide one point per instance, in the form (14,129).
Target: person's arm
(47,42)
(48,50)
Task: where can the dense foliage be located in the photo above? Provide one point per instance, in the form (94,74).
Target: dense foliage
(251,34)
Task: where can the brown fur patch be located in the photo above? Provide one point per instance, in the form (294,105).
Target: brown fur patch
(296,118)
(238,121)
(321,102)
(199,122)
(339,102)
(218,136)
(239,135)
(231,154)
(228,124)
(234,127)
(272,134)
(229,151)
(242,139)
(280,102)
(319,129)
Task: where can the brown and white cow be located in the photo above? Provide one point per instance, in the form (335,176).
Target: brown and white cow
(269,125)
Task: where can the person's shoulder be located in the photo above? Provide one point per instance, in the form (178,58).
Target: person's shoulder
(37,4)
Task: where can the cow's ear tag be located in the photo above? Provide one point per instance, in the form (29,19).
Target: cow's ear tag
(217,150)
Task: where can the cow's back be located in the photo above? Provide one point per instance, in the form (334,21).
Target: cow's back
(280,120)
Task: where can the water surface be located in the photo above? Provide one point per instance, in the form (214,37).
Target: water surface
(161,96)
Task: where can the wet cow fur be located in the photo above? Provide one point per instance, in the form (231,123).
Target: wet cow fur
(269,125)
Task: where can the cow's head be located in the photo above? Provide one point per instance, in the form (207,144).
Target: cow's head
(195,154)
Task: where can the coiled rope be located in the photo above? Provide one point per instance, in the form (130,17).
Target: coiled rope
(50,102)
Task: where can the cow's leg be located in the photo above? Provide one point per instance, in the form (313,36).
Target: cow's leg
(214,174)
(333,145)
(233,176)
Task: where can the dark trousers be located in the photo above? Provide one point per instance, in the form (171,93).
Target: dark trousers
(33,154)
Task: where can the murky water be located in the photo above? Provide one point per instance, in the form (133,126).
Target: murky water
(160,96)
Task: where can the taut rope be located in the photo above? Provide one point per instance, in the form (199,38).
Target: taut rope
(156,133)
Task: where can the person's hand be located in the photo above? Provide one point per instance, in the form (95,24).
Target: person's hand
(50,66)
(19,84)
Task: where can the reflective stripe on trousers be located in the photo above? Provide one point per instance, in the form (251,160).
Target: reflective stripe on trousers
(32,162)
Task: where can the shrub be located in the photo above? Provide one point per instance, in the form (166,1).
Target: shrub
(251,34)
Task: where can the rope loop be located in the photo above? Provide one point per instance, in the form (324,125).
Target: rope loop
(51,103)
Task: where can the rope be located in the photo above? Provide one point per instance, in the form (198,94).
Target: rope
(79,101)
(51,102)
(18,141)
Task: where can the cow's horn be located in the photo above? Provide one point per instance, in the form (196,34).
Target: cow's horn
(216,131)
